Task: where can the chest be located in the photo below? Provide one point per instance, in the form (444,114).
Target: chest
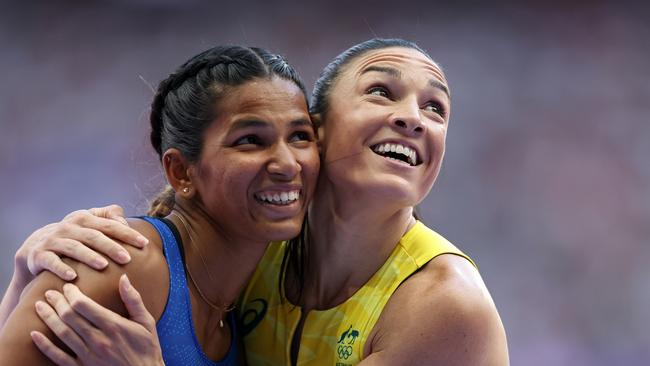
(337,336)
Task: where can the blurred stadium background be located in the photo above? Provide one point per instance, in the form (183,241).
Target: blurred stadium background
(546,182)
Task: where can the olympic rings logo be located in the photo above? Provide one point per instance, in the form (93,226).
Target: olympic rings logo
(344,351)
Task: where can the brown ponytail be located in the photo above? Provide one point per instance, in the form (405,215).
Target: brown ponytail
(163,204)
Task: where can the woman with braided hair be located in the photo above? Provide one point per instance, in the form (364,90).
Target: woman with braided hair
(366,282)
(232,130)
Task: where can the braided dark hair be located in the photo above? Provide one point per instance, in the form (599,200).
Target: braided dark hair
(184,104)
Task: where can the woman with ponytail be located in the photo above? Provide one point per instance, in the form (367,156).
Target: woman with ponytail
(232,130)
(366,282)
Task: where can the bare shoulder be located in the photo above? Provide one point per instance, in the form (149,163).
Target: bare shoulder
(151,277)
(443,314)
(147,271)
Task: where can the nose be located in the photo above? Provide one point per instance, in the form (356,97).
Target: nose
(283,163)
(407,119)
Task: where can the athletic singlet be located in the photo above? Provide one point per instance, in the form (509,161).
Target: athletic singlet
(175,327)
(336,336)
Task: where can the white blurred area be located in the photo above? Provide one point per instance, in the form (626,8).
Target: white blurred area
(546,182)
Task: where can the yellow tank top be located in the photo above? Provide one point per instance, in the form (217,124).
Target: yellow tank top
(336,336)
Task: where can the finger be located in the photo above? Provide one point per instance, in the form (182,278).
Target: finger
(86,307)
(74,213)
(94,240)
(68,243)
(111,228)
(60,329)
(82,326)
(49,261)
(134,304)
(50,350)
(113,212)
(77,241)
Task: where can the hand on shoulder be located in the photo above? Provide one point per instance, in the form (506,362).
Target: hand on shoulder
(147,271)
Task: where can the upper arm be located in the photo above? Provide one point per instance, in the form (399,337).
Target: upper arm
(16,346)
(147,267)
(442,315)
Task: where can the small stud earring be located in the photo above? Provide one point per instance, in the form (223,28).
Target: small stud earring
(186,190)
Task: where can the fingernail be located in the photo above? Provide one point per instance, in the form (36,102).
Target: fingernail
(36,336)
(123,256)
(100,262)
(70,275)
(49,295)
(67,287)
(39,306)
(142,240)
(127,282)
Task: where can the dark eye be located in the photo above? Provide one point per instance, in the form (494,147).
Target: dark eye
(248,140)
(434,107)
(378,91)
(301,136)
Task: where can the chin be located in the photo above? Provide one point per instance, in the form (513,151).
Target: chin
(284,230)
(394,189)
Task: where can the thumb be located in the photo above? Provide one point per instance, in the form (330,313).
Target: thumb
(134,305)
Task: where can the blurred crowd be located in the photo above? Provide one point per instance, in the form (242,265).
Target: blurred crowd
(546,182)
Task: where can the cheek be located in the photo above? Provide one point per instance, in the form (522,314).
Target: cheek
(218,180)
(310,165)
(438,139)
(342,136)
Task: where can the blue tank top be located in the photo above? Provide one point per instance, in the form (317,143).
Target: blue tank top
(175,327)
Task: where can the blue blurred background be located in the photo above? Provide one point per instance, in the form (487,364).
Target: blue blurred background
(546,182)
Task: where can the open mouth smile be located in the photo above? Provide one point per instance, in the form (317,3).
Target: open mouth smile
(398,152)
(280,198)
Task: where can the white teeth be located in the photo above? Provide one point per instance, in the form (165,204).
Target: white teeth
(411,154)
(282,198)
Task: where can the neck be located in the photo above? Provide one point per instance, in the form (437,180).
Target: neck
(220,266)
(351,238)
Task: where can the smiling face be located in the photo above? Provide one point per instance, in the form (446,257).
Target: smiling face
(384,131)
(259,161)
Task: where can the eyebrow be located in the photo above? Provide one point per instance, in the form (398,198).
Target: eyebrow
(438,85)
(301,122)
(252,123)
(247,123)
(387,70)
(398,74)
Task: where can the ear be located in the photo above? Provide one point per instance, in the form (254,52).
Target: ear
(177,172)
(317,121)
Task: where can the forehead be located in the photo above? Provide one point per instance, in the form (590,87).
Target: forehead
(401,58)
(261,94)
(271,100)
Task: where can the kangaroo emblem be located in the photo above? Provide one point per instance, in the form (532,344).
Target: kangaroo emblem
(345,349)
(353,334)
(345,334)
